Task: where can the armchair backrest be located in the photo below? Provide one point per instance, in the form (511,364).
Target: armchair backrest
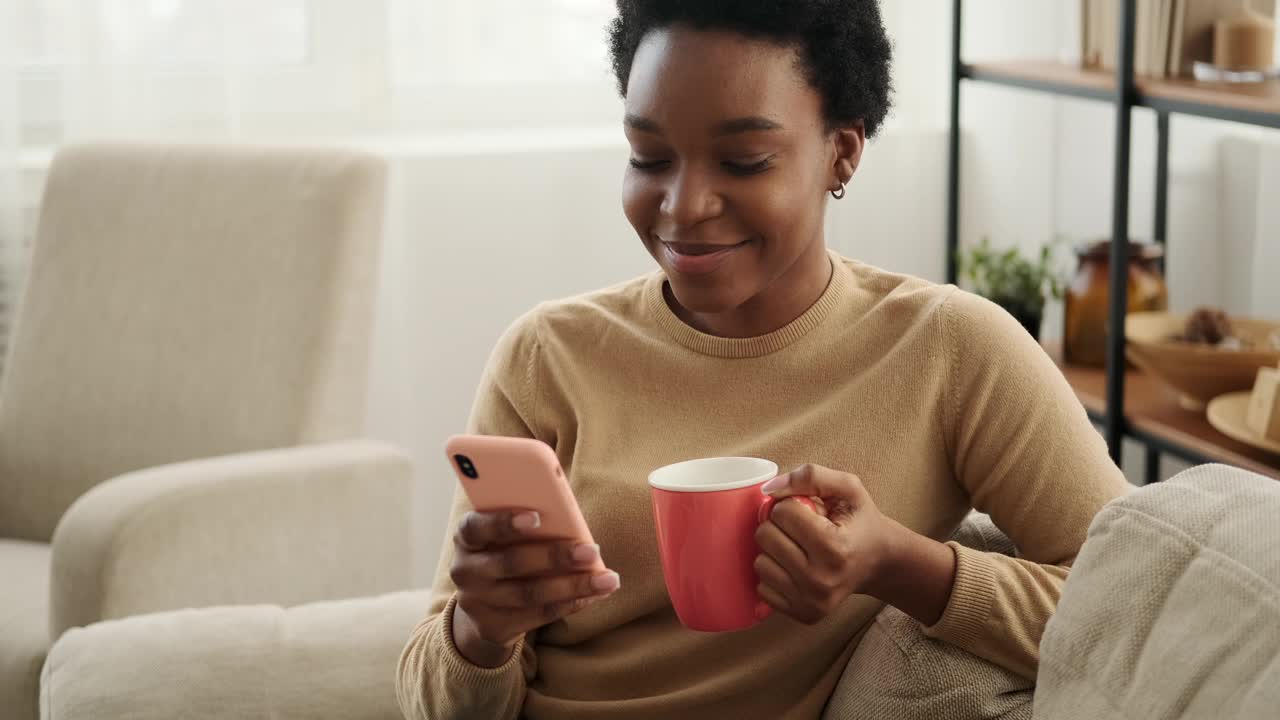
(186,302)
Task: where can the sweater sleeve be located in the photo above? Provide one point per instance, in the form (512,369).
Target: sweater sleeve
(434,681)
(1026,453)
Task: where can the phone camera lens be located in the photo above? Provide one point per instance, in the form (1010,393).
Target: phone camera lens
(466,466)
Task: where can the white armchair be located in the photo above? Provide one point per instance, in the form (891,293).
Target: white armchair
(188,369)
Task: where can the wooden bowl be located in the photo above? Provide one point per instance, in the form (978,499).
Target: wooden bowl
(1197,372)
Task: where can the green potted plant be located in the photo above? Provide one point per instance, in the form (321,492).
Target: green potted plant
(1015,283)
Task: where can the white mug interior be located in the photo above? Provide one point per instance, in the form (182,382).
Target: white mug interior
(713,474)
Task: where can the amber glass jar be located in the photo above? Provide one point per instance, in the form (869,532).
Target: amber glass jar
(1085,329)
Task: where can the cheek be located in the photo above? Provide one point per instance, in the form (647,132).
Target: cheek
(782,210)
(640,202)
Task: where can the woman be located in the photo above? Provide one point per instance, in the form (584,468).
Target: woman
(902,405)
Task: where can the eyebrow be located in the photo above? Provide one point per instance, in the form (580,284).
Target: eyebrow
(753,123)
(643,124)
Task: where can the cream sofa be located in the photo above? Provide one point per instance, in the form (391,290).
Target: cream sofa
(187,373)
(1171,612)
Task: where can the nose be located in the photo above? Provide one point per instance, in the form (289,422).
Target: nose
(691,198)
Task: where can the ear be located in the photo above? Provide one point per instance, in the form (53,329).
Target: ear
(848,143)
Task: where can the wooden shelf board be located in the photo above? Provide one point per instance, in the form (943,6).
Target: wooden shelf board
(1263,97)
(1151,408)
(1210,98)
(1046,72)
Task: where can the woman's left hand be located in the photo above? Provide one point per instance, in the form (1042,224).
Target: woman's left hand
(811,563)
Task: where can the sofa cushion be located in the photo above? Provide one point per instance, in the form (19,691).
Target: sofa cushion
(1172,606)
(24,625)
(250,662)
(898,672)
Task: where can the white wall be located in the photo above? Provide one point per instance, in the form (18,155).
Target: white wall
(475,237)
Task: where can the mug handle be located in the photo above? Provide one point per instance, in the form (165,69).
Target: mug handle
(762,608)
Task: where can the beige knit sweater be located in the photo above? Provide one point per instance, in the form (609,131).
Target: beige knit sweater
(938,400)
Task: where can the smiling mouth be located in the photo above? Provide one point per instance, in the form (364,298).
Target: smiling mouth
(699,249)
(698,259)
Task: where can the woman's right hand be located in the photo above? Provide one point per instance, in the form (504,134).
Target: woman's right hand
(510,583)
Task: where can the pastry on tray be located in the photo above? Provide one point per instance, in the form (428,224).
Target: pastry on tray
(1212,326)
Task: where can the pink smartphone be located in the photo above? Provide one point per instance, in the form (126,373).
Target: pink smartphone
(502,473)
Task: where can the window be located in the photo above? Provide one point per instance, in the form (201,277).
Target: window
(177,33)
(498,42)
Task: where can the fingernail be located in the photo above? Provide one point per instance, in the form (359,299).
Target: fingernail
(782,482)
(586,554)
(526,521)
(607,582)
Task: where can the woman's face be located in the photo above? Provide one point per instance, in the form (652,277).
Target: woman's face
(731,162)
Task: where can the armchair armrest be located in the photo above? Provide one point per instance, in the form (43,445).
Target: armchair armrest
(285,527)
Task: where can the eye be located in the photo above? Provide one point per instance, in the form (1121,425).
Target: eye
(649,165)
(745,169)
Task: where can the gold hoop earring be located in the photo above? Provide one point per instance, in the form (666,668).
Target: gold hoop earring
(838,194)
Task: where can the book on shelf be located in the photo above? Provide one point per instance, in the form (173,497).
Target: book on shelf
(1176,35)
(1169,35)
(1161,28)
(1142,37)
(1094,30)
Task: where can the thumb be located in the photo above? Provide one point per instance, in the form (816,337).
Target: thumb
(815,481)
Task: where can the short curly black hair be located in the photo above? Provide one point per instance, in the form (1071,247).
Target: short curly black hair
(842,44)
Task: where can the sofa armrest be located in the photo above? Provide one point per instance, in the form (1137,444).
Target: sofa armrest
(1171,609)
(284,526)
(255,662)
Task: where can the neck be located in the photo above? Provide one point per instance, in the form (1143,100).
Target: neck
(781,302)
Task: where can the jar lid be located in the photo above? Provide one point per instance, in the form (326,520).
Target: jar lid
(1101,250)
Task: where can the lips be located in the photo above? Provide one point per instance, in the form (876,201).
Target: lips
(698,249)
(698,258)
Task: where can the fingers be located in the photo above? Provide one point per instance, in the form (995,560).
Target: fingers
(796,571)
(817,481)
(808,530)
(479,530)
(776,600)
(550,592)
(775,542)
(510,583)
(775,577)
(779,591)
(529,559)
(502,610)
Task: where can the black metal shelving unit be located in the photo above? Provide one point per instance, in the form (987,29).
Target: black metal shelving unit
(1124,92)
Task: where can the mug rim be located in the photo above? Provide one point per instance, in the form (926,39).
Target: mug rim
(755,479)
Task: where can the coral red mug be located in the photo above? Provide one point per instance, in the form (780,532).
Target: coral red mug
(706,513)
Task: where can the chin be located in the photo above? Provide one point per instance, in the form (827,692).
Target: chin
(707,297)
